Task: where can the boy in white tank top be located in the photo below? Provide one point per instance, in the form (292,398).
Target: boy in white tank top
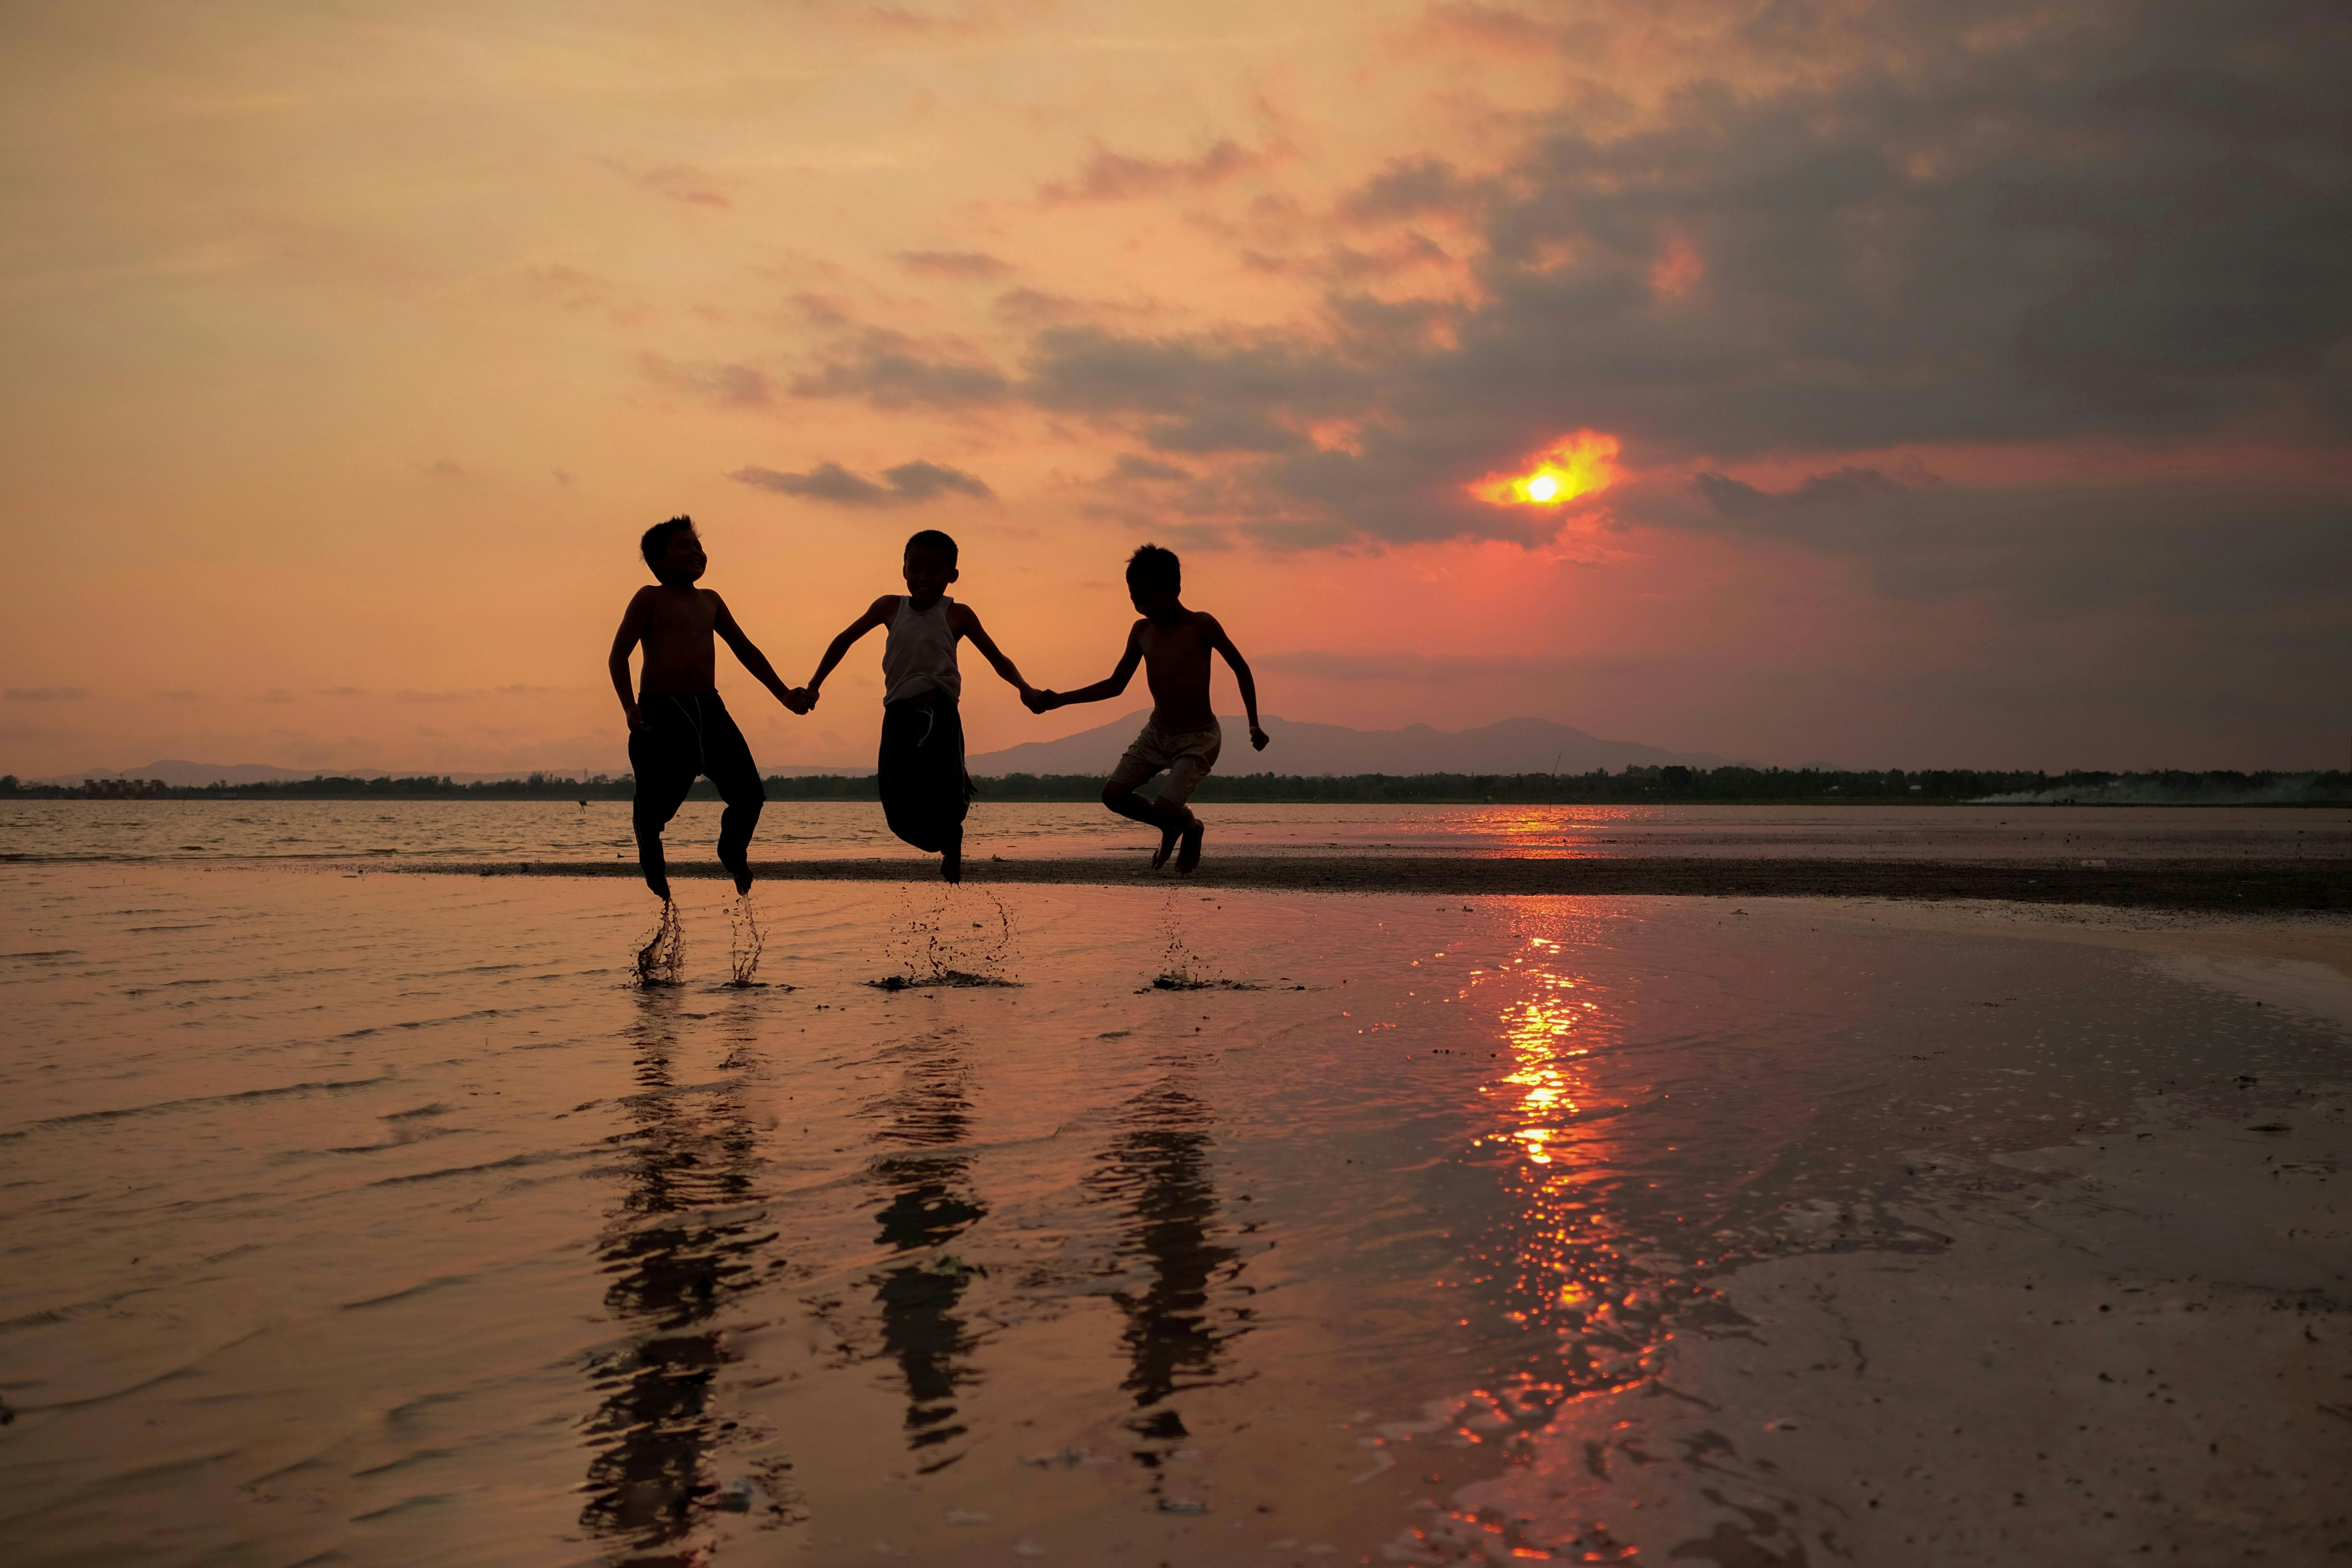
(925,791)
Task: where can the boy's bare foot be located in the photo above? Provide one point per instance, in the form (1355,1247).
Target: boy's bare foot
(660,885)
(1168,836)
(1188,859)
(951,864)
(740,869)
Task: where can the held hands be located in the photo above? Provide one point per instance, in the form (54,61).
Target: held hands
(799,700)
(1039,701)
(1258,737)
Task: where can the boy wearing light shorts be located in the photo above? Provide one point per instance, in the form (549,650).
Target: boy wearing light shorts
(1181,737)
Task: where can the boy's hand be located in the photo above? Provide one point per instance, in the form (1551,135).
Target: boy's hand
(1258,737)
(1036,701)
(636,718)
(796,700)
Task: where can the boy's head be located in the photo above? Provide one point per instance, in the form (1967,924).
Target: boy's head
(674,552)
(1155,579)
(931,565)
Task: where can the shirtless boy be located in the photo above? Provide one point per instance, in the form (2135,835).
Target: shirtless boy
(1172,644)
(678,726)
(925,791)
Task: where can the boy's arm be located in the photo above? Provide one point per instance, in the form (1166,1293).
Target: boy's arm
(967,621)
(753,659)
(878,614)
(625,641)
(1102,690)
(1242,677)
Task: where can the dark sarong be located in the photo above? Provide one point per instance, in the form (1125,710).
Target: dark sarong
(683,737)
(925,791)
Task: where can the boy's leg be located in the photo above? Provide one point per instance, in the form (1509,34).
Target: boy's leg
(1186,769)
(950,785)
(727,760)
(664,764)
(1146,757)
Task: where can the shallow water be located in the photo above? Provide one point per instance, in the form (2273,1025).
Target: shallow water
(386,1217)
(207,831)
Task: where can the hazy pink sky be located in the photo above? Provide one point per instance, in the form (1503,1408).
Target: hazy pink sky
(1981,375)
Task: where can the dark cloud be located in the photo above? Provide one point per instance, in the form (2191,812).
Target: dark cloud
(891,369)
(1907,224)
(1130,467)
(1116,177)
(443,468)
(964,266)
(2196,547)
(721,384)
(1209,394)
(1413,187)
(909,484)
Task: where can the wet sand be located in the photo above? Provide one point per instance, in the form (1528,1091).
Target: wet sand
(2213,882)
(382,1219)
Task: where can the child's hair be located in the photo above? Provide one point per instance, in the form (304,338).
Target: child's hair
(932,539)
(1153,567)
(656,541)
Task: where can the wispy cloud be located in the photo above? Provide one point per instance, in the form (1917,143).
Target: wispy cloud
(909,484)
(724,385)
(1109,176)
(48,694)
(963,266)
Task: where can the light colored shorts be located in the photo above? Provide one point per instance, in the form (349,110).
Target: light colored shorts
(1187,757)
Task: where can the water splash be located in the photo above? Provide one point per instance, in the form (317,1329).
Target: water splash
(744,942)
(1181,968)
(949,936)
(662,960)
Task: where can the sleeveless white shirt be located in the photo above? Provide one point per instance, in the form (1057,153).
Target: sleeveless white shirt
(920,655)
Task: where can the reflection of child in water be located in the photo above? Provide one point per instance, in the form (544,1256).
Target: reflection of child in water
(678,726)
(925,790)
(1172,644)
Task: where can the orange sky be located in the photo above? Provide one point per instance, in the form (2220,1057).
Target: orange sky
(348,353)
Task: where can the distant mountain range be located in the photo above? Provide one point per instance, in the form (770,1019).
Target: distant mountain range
(1512,746)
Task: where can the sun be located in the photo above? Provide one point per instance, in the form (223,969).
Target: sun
(1583,464)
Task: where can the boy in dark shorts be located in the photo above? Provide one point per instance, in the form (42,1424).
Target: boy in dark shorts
(678,726)
(1173,645)
(925,791)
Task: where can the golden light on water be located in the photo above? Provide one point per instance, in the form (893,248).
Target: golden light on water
(1583,464)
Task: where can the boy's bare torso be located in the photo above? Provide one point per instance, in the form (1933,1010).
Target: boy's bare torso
(681,657)
(1176,667)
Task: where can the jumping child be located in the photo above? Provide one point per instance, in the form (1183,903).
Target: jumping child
(925,790)
(1172,644)
(678,726)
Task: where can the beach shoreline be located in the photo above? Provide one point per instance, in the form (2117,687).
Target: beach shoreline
(2204,884)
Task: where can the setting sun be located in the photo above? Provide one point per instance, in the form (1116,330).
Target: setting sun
(1578,465)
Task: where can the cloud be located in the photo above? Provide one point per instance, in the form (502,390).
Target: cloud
(891,369)
(723,386)
(1848,227)
(340,691)
(443,468)
(48,694)
(1117,177)
(681,183)
(1415,187)
(1130,467)
(909,484)
(1210,392)
(181,694)
(963,266)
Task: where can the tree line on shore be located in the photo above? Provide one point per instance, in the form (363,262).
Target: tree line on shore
(1635,785)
